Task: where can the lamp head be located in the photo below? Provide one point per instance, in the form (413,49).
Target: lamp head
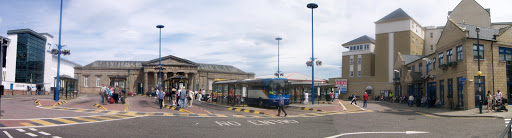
(477,30)
(279,38)
(312,5)
(160,26)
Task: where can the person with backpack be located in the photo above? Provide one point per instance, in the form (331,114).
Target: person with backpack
(183,97)
(354,99)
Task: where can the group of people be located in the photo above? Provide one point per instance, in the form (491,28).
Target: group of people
(353,98)
(493,100)
(183,97)
(112,95)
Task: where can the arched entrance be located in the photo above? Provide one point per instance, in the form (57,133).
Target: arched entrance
(177,82)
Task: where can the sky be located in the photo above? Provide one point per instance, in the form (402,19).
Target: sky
(228,32)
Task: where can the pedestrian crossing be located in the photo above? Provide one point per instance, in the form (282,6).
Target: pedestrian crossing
(28,132)
(507,121)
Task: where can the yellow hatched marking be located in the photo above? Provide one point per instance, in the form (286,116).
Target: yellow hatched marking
(222,116)
(113,112)
(117,116)
(26,124)
(369,111)
(103,118)
(131,113)
(83,119)
(45,123)
(427,115)
(168,114)
(394,110)
(202,115)
(149,114)
(247,111)
(65,121)
(238,110)
(183,115)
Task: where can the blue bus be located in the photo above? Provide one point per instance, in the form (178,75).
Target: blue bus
(259,92)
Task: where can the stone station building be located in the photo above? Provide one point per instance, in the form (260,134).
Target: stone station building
(142,76)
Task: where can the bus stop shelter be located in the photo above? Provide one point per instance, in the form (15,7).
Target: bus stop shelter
(68,86)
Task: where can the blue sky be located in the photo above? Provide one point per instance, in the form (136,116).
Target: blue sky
(236,32)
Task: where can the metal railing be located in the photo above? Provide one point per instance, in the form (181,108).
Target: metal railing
(507,132)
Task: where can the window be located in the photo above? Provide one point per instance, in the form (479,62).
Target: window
(366,46)
(98,81)
(459,53)
(429,67)
(431,35)
(450,88)
(475,51)
(505,54)
(441,61)
(420,67)
(86,78)
(449,56)
(431,47)
(434,63)
(351,61)
(359,73)
(413,68)
(441,91)
(359,61)
(409,68)
(351,73)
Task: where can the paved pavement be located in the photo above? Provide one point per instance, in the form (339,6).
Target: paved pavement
(79,118)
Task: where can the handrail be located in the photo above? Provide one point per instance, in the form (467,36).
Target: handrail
(507,131)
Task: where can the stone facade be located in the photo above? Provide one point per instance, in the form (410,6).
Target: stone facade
(142,76)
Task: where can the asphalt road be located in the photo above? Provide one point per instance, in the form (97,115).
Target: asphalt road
(376,124)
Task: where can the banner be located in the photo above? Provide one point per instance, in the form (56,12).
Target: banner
(342,85)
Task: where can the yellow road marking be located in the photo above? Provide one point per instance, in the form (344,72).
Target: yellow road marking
(83,119)
(202,115)
(103,118)
(65,121)
(27,124)
(45,123)
(428,115)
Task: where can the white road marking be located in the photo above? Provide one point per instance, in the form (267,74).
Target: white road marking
(344,109)
(31,134)
(33,129)
(507,119)
(360,107)
(358,133)
(21,130)
(56,137)
(8,135)
(44,133)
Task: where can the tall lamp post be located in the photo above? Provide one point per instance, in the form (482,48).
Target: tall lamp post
(278,71)
(56,95)
(479,73)
(312,6)
(160,56)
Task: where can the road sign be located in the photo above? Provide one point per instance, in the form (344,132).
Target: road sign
(463,79)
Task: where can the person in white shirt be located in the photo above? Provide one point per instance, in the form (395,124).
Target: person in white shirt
(199,96)
(498,96)
(411,100)
(306,95)
(203,93)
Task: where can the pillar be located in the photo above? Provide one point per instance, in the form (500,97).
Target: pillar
(192,81)
(164,86)
(155,74)
(145,86)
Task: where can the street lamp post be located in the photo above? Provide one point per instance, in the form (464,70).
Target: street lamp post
(56,95)
(312,6)
(278,71)
(160,56)
(479,73)
(426,80)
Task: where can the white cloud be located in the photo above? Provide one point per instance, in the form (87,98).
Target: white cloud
(239,33)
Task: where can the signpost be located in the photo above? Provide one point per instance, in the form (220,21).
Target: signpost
(342,85)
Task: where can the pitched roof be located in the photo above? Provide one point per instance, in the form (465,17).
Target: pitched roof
(219,68)
(485,32)
(397,14)
(294,76)
(362,39)
(114,64)
(411,58)
(172,57)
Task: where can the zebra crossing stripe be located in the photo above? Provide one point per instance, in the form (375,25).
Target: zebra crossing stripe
(8,135)
(44,133)
(31,134)
(21,130)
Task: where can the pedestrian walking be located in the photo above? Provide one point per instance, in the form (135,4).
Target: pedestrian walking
(160,94)
(190,98)
(306,96)
(411,100)
(281,106)
(173,93)
(183,97)
(365,100)
(489,101)
(102,94)
(332,97)
(199,95)
(354,99)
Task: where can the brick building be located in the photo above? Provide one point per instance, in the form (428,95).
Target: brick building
(141,76)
